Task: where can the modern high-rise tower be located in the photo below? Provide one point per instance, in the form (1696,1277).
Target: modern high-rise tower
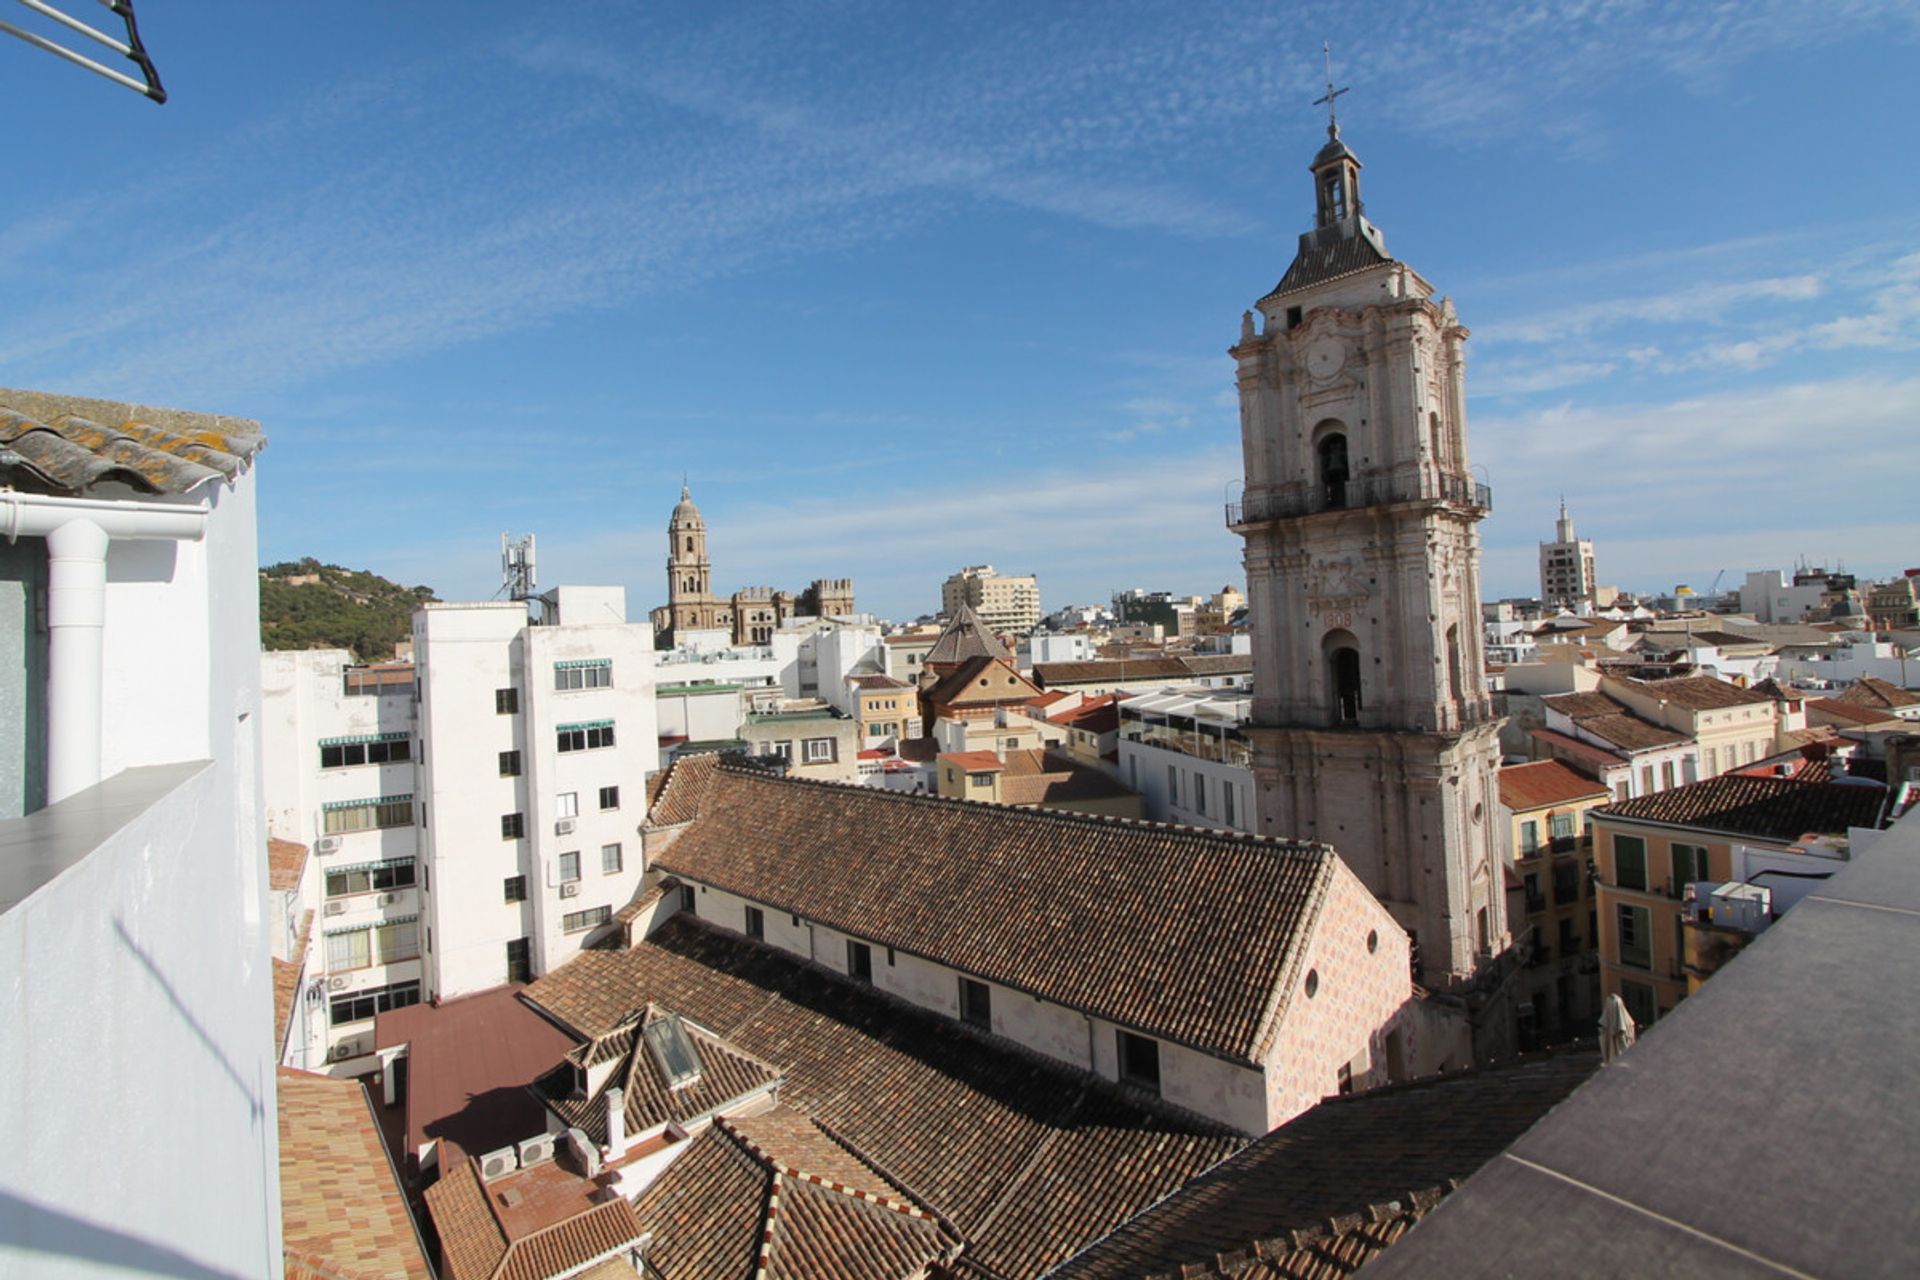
(1373,729)
(1566,568)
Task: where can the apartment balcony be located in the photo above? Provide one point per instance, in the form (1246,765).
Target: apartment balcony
(1354,494)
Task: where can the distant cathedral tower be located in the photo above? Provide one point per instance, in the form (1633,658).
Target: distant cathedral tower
(1373,729)
(690,602)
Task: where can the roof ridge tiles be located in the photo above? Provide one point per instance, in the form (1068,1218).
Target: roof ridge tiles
(1045,815)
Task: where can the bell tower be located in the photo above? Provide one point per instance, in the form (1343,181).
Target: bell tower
(689,573)
(1373,727)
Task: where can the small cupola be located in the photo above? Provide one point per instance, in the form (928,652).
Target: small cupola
(1336,181)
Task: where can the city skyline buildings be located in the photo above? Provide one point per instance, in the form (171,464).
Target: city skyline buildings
(531,264)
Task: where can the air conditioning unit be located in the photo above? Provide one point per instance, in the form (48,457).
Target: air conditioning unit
(344,1050)
(388,899)
(564,827)
(498,1164)
(327,844)
(570,890)
(338,984)
(538,1150)
(335,908)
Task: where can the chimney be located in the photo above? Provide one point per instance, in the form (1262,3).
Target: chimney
(616,1122)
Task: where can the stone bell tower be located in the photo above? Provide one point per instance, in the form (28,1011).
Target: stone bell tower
(1373,728)
(690,602)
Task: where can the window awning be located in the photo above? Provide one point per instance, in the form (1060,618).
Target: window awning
(363,737)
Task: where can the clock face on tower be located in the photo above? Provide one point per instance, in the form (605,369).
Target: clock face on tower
(1325,356)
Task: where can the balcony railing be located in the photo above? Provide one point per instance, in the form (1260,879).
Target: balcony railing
(1370,492)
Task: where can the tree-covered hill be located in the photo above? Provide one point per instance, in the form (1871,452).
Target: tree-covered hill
(308,605)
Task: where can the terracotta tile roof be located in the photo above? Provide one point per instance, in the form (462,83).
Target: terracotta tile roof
(774,1192)
(1601,716)
(726,1076)
(1362,1161)
(1767,808)
(69,445)
(1178,932)
(1027,1160)
(286,859)
(341,1209)
(286,982)
(1563,745)
(1525,787)
(1872,691)
(475,1243)
(919,750)
(468,1061)
(974,761)
(1050,778)
(1097,715)
(1701,693)
(1778,692)
(645,899)
(877,682)
(925,637)
(1851,713)
(981,682)
(964,637)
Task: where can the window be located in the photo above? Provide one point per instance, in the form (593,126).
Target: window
(1646,779)
(375,944)
(1638,997)
(859,961)
(520,960)
(389,748)
(514,889)
(1636,941)
(1333,469)
(1666,775)
(817,750)
(783,749)
(1569,937)
(513,826)
(596,674)
(358,1006)
(688,903)
(980,779)
(376,878)
(609,798)
(586,737)
(509,764)
(569,804)
(1630,862)
(1200,793)
(1226,801)
(756,923)
(1689,865)
(580,921)
(1139,1061)
(367,815)
(1529,837)
(506,702)
(1341,652)
(1173,785)
(610,860)
(1566,882)
(569,867)
(1562,827)
(976,1004)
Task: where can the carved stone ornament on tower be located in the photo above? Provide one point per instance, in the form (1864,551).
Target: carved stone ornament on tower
(1373,727)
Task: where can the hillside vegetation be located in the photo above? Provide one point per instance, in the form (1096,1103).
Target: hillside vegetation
(308,605)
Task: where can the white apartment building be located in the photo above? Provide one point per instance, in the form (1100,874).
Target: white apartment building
(1184,750)
(1004,603)
(338,765)
(471,814)
(537,744)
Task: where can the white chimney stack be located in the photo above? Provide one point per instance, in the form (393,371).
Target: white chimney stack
(616,1122)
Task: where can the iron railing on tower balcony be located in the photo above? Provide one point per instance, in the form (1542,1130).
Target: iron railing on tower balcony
(1352,494)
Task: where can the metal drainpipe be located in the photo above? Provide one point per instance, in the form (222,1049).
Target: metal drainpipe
(78,533)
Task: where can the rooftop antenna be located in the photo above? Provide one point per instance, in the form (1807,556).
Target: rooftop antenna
(130,48)
(516,566)
(1333,124)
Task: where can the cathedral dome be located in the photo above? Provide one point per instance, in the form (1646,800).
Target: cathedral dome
(684,510)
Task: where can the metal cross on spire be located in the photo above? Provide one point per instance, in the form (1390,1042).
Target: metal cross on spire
(1333,125)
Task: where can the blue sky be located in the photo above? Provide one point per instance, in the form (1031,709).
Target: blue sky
(903,287)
